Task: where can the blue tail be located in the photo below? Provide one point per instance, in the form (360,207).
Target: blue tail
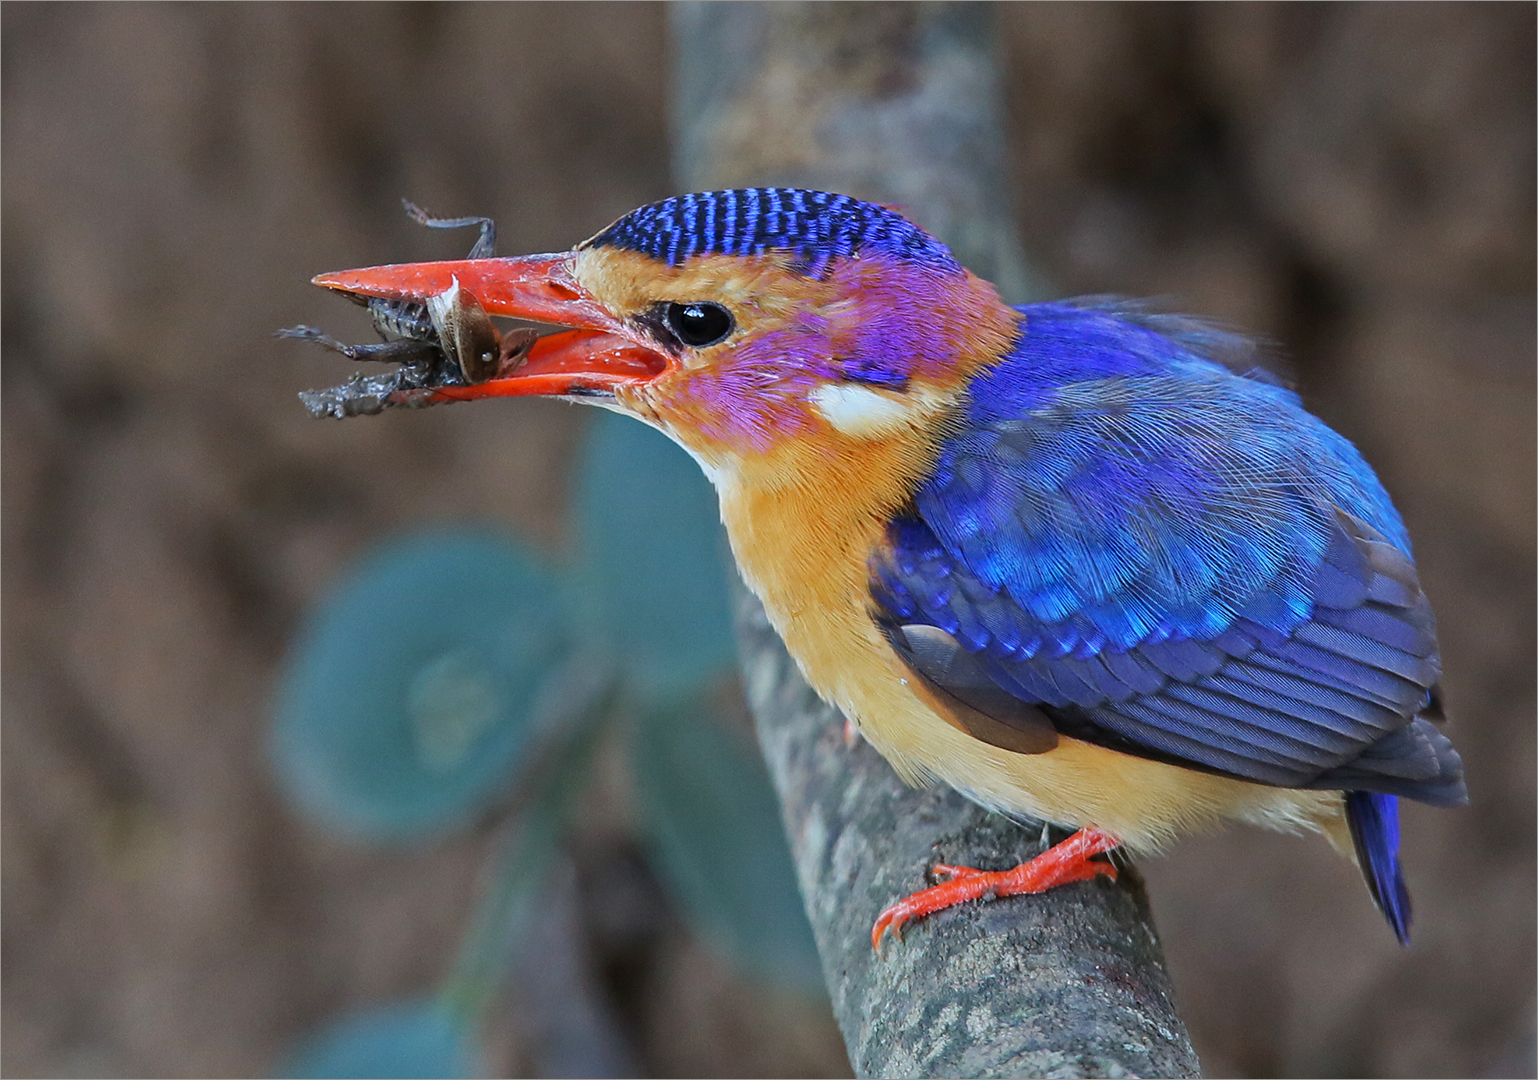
(1374,821)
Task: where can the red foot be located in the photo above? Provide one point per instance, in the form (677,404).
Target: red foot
(1059,865)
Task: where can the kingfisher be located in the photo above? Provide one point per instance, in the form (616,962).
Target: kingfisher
(1083,561)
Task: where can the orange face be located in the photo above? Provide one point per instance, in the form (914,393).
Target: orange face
(731,355)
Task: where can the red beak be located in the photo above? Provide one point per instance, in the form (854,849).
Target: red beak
(598,355)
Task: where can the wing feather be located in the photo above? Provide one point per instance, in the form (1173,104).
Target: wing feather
(1175,562)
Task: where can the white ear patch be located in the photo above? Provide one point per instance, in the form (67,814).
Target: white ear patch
(863,411)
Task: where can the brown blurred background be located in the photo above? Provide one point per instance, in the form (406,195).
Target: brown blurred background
(1354,181)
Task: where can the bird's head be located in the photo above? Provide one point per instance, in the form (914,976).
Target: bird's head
(739,322)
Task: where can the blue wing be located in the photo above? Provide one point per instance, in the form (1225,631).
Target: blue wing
(1173,560)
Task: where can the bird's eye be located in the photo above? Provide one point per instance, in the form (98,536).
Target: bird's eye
(699,324)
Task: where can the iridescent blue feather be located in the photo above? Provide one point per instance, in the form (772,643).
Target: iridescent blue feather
(1374,822)
(1175,560)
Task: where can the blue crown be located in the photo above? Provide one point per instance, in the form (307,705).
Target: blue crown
(815,226)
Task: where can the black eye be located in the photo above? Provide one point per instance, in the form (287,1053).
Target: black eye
(699,324)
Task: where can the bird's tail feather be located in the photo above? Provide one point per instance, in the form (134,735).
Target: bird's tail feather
(1374,822)
(1416,761)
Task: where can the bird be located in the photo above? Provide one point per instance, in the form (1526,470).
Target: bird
(1084,561)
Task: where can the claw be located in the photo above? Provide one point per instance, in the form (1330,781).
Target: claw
(1067,862)
(946,872)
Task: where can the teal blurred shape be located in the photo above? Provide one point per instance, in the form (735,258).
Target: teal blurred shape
(413,691)
(654,555)
(714,823)
(418,1038)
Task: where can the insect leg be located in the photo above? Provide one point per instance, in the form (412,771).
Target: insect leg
(401,351)
(484,248)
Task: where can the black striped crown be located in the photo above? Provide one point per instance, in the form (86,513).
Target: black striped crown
(815,226)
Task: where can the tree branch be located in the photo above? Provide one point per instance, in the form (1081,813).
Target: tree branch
(1069,983)
(899,102)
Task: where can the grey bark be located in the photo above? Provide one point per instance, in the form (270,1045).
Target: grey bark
(900,103)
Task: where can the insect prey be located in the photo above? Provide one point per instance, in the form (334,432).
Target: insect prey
(447,341)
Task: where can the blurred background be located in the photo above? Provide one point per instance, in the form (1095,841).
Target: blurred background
(1355,182)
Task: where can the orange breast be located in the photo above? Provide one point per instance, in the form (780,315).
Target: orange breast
(803,528)
(803,523)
